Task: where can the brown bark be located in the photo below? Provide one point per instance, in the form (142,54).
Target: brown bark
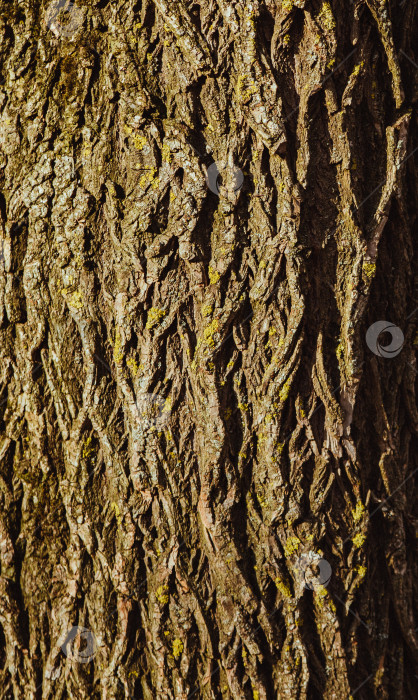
(204,463)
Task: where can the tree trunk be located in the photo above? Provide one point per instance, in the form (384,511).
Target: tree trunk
(208,448)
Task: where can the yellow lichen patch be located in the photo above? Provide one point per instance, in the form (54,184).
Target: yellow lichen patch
(161,594)
(86,151)
(284,391)
(166,154)
(144,180)
(149,178)
(117,348)
(369,269)
(287,5)
(262,265)
(209,332)
(154,317)
(262,501)
(282,587)
(133,365)
(357,69)
(75,300)
(243,406)
(359,540)
(245,95)
(256,695)
(213,275)
(340,351)
(361,570)
(139,142)
(207,310)
(177,648)
(358,512)
(88,450)
(326,17)
(272,332)
(321,593)
(292,545)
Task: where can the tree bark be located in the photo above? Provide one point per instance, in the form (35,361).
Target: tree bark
(208,457)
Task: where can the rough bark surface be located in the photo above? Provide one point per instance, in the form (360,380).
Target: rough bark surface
(203,462)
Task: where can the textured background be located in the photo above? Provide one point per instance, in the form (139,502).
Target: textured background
(203,462)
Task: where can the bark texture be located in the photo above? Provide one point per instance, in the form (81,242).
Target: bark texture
(203,462)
